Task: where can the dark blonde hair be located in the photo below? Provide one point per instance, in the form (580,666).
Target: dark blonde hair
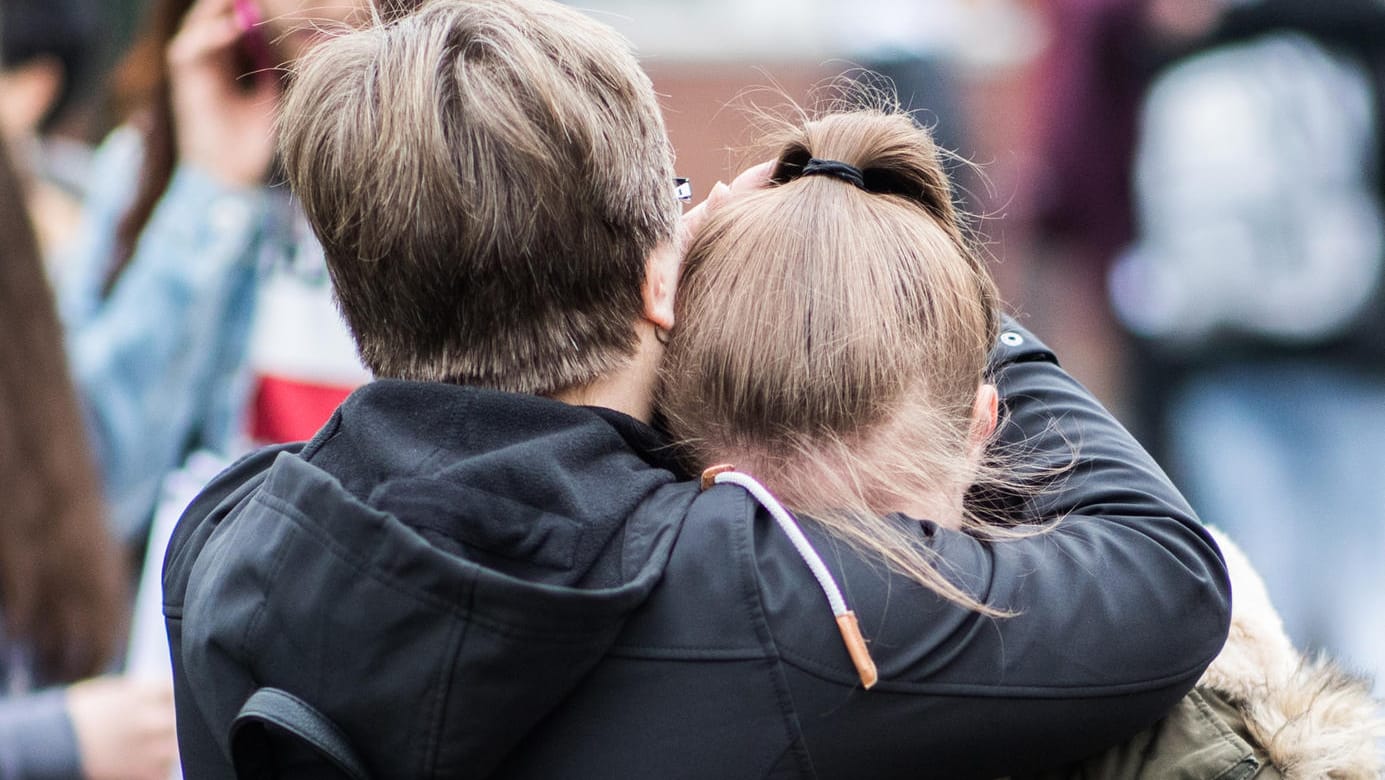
(488,179)
(831,337)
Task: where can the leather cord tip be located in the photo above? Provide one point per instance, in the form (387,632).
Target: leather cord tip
(856,648)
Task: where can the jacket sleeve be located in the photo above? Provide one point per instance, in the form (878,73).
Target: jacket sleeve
(1116,611)
(36,738)
(143,357)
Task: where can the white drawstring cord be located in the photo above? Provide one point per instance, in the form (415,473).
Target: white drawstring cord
(846,619)
(795,533)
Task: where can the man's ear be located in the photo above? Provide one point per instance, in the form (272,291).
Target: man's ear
(985,412)
(660,285)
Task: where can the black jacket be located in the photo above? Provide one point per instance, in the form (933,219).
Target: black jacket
(476,584)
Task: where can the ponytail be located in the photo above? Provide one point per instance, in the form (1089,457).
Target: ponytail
(833,330)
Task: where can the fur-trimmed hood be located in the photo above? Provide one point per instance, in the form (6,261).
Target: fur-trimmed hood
(1313,719)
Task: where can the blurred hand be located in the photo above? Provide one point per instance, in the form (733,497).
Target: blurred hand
(752,178)
(125,728)
(224,118)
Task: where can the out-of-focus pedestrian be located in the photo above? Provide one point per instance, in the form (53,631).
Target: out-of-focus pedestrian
(1257,286)
(45,48)
(198,305)
(1076,191)
(62,594)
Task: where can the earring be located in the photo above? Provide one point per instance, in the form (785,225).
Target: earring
(661,335)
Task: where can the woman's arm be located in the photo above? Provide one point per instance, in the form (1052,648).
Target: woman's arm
(104,728)
(148,357)
(143,356)
(1118,610)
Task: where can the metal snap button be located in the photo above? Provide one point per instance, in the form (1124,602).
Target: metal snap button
(1011,339)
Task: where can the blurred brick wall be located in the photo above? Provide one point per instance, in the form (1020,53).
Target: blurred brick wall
(705,120)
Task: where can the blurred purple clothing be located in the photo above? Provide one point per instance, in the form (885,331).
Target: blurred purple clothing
(1092,79)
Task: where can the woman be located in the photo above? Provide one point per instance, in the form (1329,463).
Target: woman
(61,579)
(854,360)
(198,307)
(833,341)
(45,51)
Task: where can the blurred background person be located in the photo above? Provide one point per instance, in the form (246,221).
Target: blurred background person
(1076,180)
(62,582)
(1256,285)
(198,307)
(45,67)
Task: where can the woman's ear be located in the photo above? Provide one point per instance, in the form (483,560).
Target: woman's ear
(660,285)
(985,413)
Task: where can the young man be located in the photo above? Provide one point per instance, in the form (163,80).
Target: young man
(487,563)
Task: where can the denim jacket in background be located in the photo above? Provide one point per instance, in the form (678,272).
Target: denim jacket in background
(160,363)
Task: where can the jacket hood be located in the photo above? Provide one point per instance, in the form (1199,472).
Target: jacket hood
(481,550)
(1313,719)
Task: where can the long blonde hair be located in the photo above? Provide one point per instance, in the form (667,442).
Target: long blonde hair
(831,338)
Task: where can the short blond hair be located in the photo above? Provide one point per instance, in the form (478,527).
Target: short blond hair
(487,179)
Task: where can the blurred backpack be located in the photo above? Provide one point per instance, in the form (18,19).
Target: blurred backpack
(1257,199)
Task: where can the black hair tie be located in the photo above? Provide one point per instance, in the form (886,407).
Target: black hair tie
(835,169)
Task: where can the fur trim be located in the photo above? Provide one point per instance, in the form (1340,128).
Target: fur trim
(1313,719)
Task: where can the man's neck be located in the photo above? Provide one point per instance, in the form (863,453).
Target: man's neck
(629,389)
